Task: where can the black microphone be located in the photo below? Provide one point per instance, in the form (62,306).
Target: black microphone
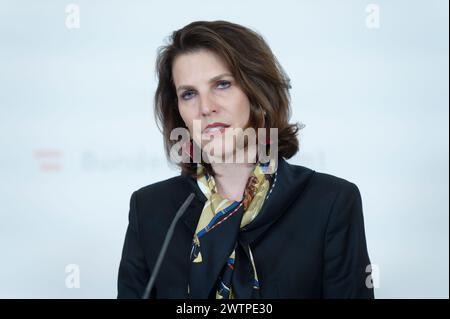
(169,234)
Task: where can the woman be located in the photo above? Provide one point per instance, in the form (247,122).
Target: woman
(258,227)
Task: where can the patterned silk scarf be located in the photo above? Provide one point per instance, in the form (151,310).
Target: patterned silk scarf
(217,210)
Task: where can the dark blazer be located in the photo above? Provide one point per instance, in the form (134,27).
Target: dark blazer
(314,248)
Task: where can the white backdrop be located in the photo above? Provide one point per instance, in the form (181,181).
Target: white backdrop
(77,134)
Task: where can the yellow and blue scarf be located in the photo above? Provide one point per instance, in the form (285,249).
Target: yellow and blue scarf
(219,211)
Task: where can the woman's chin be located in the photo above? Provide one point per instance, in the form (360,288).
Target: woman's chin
(217,154)
(228,156)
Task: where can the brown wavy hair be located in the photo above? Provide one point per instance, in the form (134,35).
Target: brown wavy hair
(255,68)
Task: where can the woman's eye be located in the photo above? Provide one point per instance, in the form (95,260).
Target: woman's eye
(187,95)
(223,84)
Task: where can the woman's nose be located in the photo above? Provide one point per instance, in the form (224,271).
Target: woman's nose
(207,104)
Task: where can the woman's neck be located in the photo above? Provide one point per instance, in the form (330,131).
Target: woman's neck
(231,178)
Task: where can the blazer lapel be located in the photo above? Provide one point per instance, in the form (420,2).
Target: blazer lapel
(290,182)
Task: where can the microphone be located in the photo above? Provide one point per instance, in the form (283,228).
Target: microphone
(169,234)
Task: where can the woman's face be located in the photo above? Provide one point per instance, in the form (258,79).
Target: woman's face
(207,92)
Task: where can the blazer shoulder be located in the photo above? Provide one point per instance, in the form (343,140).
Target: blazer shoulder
(332,183)
(340,191)
(156,203)
(327,183)
(160,193)
(160,186)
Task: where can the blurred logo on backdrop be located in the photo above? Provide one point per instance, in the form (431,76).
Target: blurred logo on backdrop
(49,160)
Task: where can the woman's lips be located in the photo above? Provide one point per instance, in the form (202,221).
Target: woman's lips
(213,131)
